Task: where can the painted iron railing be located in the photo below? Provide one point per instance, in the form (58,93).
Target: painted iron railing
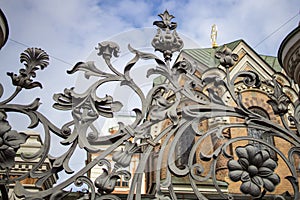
(181,106)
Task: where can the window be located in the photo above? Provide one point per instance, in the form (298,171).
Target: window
(183,148)
(261,134)
(122,183)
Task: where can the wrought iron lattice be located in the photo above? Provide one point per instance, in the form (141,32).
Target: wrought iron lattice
(181,104)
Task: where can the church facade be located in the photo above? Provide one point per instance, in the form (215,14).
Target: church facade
(254,98)
(204,144)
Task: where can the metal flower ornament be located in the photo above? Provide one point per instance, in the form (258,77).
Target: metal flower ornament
(182,138)
(227,58)
(166,39)
(34,58)
(10,141)
(255,169)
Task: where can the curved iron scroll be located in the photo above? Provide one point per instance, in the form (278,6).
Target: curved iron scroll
(175,105)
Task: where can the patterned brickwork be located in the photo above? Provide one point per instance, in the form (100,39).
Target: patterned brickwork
(254,98)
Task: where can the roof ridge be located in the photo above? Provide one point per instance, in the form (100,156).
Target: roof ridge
(206,48)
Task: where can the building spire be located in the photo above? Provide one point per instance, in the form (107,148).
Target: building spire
(213,36)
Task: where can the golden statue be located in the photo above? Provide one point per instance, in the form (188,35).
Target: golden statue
(213,36)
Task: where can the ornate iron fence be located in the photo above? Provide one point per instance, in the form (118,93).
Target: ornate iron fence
(181,106)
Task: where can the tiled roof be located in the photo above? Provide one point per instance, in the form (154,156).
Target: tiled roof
(207,58)
(159,80)
(206,55)
(273,62)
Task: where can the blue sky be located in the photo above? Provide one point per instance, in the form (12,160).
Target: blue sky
(69,30)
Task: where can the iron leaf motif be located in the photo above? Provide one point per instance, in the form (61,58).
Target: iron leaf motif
(89,68)
(164,108)
(123,157)
(278,100)
(33,59)
(71,100)
(1,90)
(183,66)
(106,182)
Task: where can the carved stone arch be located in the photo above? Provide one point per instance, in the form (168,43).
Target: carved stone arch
(256,101)
(256,98)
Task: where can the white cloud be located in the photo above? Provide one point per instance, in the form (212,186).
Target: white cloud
(250,20)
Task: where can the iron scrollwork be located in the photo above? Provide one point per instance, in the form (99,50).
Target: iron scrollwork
(180,106)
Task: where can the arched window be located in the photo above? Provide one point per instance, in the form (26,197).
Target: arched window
(183,148)
(261,134)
